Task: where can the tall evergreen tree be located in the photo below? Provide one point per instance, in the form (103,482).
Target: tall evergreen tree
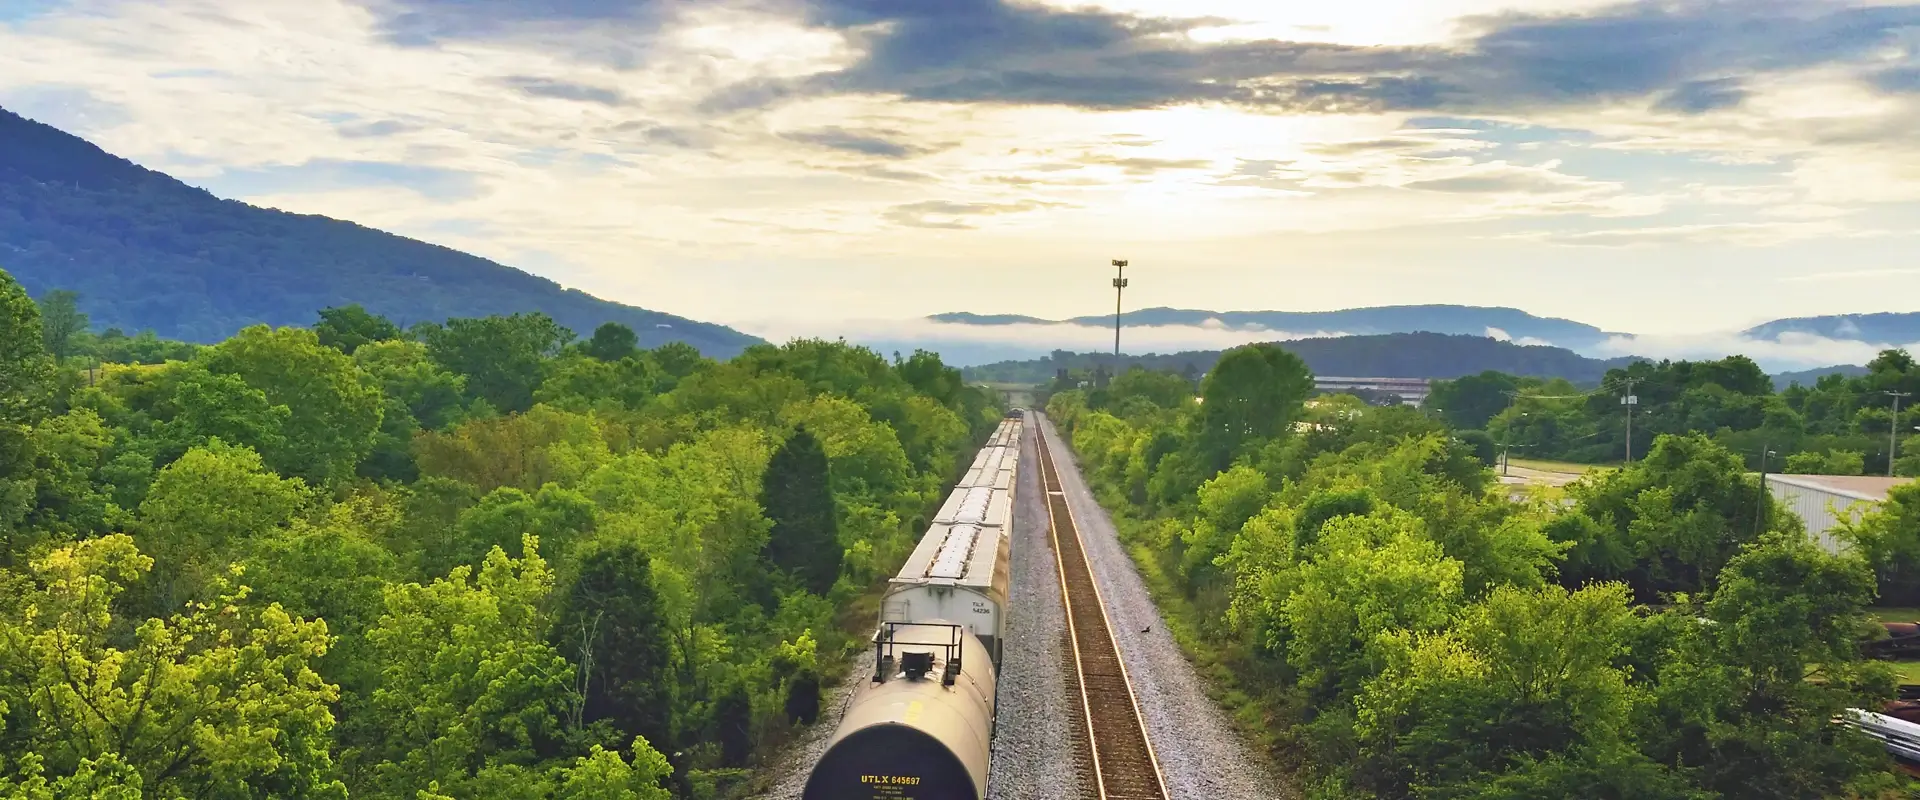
(60,321)
(798,498)
(611,625)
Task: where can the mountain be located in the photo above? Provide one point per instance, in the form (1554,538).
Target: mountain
(1449,319)
(1395,355)
(965,318)
(1809,377)
(1884,328)
(147,251)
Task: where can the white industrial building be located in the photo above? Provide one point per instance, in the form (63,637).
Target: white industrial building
(1822,501)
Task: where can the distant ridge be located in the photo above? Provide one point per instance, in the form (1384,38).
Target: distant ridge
(1882,328)
(1809,377)
(1398,355)
(1445,319)
(147,251)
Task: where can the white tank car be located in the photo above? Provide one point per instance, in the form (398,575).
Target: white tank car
(922,729)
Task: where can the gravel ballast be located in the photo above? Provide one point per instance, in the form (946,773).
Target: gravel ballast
(1031,759)
(1199,752)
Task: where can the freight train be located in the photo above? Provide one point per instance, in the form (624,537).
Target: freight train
(922,729)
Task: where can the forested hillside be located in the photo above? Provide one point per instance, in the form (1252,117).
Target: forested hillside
(1393,625)
(145,251)
(474,560)
(1399,355)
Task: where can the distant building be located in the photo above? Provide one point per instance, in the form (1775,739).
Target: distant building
(1411,391)
(1822,500)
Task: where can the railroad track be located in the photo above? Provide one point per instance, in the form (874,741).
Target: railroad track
(1115,757)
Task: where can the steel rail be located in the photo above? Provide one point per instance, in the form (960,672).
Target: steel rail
(1124,766)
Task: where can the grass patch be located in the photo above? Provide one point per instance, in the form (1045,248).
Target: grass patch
(1559,466)
(1894,614)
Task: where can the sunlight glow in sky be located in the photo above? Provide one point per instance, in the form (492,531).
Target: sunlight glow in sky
(1670,167)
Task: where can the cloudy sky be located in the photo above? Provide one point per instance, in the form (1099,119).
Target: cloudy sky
(1659,167)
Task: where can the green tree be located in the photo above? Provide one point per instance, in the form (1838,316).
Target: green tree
(467,680)
(346,328)
(1365,576)
(612,625)
(1832,462)
(61,322)
(603,775)
(1470,402)
(613,341)
(1888,537)
(796,493)
(25,371)
(334,411)
(203,406)
(500,357)
(1732,698)
(1253,394)
(219,701)
(201,508)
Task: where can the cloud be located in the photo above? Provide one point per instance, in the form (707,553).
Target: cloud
(1743,234)
(375,129)
(324,175)
(1700,97)
(564,90)
(923,214)
(1851,275)
(1501,335)
(1147,166)
(1792,351)
(1691,56)
(881,143)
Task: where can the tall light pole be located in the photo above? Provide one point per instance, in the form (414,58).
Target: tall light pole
(1893,429)
(1119,285)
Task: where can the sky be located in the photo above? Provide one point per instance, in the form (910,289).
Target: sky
(1672,168)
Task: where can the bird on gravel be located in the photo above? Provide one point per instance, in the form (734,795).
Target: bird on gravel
(1148,629)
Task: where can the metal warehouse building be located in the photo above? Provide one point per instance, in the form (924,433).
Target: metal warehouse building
(1821,500)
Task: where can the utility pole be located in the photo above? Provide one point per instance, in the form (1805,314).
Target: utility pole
(1893,428)
(1760,515)
(1506,455)
(1630,400)
(1119,285)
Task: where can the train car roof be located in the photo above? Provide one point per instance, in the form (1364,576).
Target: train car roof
(963,542)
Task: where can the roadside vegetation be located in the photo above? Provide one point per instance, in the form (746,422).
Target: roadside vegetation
(476,559)
(1839,425)
(1392,625)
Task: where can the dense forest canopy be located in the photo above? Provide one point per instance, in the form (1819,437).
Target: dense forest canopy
(1399,355)
(474,559)
(1402,626)
(145,251)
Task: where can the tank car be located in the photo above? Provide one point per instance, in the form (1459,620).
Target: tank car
(922,729)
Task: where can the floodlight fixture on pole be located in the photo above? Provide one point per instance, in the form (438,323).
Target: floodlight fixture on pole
(1893,428)
(1119,285)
